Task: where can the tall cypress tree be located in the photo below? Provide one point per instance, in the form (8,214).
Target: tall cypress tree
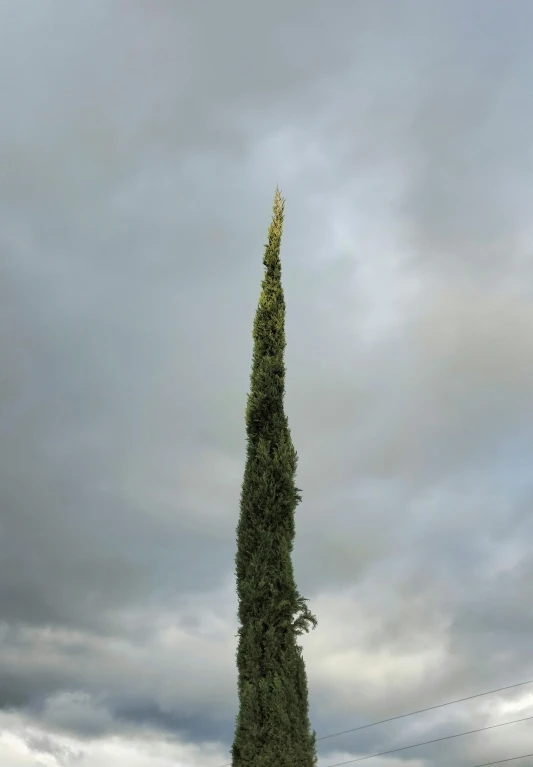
(272,726)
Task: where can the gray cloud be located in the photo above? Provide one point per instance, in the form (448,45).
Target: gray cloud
(140,146)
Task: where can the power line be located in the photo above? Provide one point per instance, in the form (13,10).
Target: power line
(500,761)
(420,711)
(426,742)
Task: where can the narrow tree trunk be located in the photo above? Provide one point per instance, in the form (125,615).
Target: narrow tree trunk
(272,726)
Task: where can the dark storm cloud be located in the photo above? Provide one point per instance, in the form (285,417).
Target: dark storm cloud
(471,143)
(139,149)
(91,339)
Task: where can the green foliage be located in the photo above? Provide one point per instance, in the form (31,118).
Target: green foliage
(272,727)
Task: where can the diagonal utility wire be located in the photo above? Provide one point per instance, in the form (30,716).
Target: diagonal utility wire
(420,711)
(500,761)
(426,742)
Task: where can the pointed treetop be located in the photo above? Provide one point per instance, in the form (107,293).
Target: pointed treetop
(279,202)
(276,227)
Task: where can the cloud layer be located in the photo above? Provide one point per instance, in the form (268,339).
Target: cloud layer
(140,146)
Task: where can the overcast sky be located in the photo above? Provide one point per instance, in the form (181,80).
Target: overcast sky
(141,142)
